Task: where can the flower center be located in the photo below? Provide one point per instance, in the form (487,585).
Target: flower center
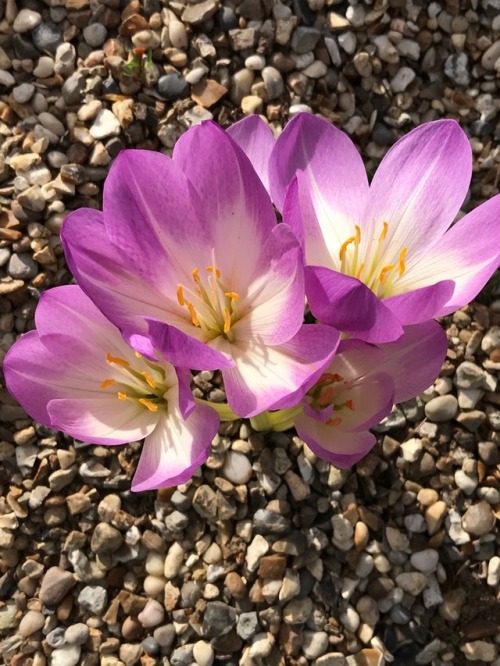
(379,276)
(147,387)
(210,303)
(328,393)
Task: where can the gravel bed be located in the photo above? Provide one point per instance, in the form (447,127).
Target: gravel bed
(269,556)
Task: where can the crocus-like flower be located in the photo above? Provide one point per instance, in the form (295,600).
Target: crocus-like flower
(387,243)
(75,373)
(187,258)
(361,385)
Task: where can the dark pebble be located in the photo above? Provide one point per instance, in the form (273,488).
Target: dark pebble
(47,37)
(150,645)
(172,86)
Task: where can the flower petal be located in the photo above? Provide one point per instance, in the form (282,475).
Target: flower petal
(102,419)
(185,351)
(152,213)
(414,361)
(265,375)
(347,304)
(237,208)
(175,449)
(33,376)
(273,310)
(419,187)
(336,176)
(254,136)
(415,307)
(340,448)
(466,254)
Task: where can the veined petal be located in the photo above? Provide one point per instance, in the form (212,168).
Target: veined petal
(152,213)
(265,375)
(347,304)
(333,170)
(119,290)
(101,419)
(273,310)
(467,254)
(419,187)
(254,136)
(175,449)
(185,351)
(299,214)
(33,376)
(338,447)
(419,305)
(414,361)
(237,208)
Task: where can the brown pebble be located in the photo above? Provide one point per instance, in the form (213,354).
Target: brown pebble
(272,566)
(234,583)
(131,628)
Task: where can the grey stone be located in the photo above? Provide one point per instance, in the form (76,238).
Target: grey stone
(72,89)
(456,68)
(93,598)
(304,39)
(442,408)
(172,86)
(47,37)
(22,266)
(218,620)
(248,625)
(95,34)
(55,585)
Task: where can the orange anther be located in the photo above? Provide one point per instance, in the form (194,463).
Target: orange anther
(349,404)
(232,295)
(383,273)
(334,422)
(227,320)
(196,275)
(149,379)
(108,382)
(383,233)
(326,397)
(117,361)
(180,296)
(121,396)
(192,312)
(150,405)
(210,269)
(345,245)
(402,265)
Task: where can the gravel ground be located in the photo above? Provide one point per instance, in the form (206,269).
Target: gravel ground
(268,556)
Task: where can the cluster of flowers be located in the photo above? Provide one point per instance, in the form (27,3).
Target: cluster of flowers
(187,268)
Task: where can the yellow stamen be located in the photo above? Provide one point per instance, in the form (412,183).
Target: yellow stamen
(150,405)
(402,265)
(383,233)
(344,246)
(210,269)
(108,382)
(383,273)
(121,396)
(180,296)
(227,320)
(334,422)
(137,355)
(357,238)
(360,270)
(349,404)
(117,361)
(232,295)
(149,379)
(192,312)
(196,275)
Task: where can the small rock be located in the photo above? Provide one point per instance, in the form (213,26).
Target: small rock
(412,582)
(479,519)
(273,82)
(77,634)
(218,620)
(105,539)
(152,614)
(203,653)
(93,598)
(402,79)
(95,34)
(21,266)
(456,67)
(248,625)
(200,12)
(67,655)
(479,651)
(55,585)
(172,86)
(30,622)
(105,124)
(314,643)
(26,20)
(425,560)
(47,37)
(297,611)
(440,409)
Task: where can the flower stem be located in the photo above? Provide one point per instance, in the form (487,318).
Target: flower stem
(279,420)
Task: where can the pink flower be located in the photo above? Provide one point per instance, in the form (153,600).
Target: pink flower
(75,373)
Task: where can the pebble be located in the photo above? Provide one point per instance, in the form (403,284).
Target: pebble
(491,56)
(47,37)
(152,614)
(494,571)
(402,79)
(456,67)
(273,82)
(172,86)
(237,468)
(314,643)
(23,93)
(479,519)
(297,611)
(30,622)
(6,79)
(412,582)
(67,655)
(93,598)
(77,634)
(56,583)
(479,651)
(218,619)
(255,62)
(425,560)
(105,539)
(248,625)
(95,34)
(443,408)
(21,266)
(26,20)
(105,124)
(203,653)
(44,68)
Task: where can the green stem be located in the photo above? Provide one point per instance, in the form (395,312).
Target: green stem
(279,420)
(222,408)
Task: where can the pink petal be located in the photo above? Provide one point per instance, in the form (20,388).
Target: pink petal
(265,375)
(419,187)
(175,449)
(336,176)
(340,448)
(419,305)
(255,138)
(347,304)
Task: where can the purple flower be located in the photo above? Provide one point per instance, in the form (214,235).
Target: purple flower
(386,244)
(75,373)
(187,258)
(360,386)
